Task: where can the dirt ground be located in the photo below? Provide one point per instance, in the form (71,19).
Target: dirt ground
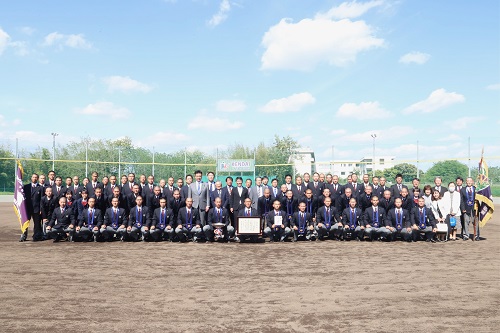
(318,286)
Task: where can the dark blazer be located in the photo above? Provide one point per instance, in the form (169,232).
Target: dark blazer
(299,194)
(430,220)
(270,218)
(156,218)
(167,193)
(142,220)
(90,188)
(364,201)
(379,191)
(290,206)
(226,197)
(395,193)
(317,191)
(296,220)
(33,197)
(321,215)
(83,220)
(80,207)
(264,205)
(334,193)
(363,186)
(126,190)
(182,216)
(391,218)
(214,195)
(131,200)
(122,202)
(343,202)
(76,192)
(356,192)
(185,192)
(464,201)
(213,217)
(108,217)
(368,217)
(443,189)
(175,205)
(278,191)
(311,205)
(47,207)
(346,216)
(253,212)
(60,193)
(62,220)
(408,203)
(146,191)
(386,204)
(237,202)
(100,203)
(321,200)
(108,191)
(153,202)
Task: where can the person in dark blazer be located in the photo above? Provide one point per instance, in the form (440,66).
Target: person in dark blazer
(139,221)
(216,193)
(298,189)
(439,186)
(468,194)
(62,223)
(365,199)
(186,188)
(238,196)
(343,201)
(110,187)
(81,204)
(153,200)
(276,231)
(352,220)
(398,187)
(328,221)
(58,189)
(128,187)
(387,201)
(131,198)
(100,201)
(327,194)
(33,196)
(365,183)
(218,214)
(374,220)
(377,189)
(148,189)
(47,205)
(302,224)
(265,203)
(354,186)
(275,190)
(88,222)
(93,184)
(423,222)
(399,221)
(175,203)
(188,223)
(162,222)
(168,190)
(114,225)
(407,202)
(248,211)
(311,202)
(316,185)
(335,188)
(290,205)
(76,188)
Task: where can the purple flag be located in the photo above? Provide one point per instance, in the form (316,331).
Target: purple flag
(19,200)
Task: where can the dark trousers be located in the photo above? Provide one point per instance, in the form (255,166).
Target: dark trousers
(37,226)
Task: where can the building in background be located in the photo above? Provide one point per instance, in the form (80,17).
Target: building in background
(303,161)
(381,163)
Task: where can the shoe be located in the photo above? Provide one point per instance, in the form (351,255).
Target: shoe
(237,240)
(23,238)
(465,238)
(433,241)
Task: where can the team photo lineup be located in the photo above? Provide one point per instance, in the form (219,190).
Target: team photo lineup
(313,208)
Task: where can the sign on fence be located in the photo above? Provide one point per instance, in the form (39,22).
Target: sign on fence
(228,165)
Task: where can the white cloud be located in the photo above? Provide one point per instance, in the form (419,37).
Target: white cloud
(338,132)
(293,103)
(105,109)
(235,105)
(73,41)
(438,99)
(364,110)
(415,57)
(160,138)
(388,135)
(462,123)
(221,15)
(27,30)
(214,123)
(125,84)
(495,86)
(20,48)
(4,40)
(309,42)
(351,9)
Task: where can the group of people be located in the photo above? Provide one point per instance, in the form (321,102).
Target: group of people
(192,210)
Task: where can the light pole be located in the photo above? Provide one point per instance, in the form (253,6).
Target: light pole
(54,149)
(153,167)
(86,158)
(373,160)
(120,161)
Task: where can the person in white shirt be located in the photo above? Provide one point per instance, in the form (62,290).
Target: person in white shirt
(451,201)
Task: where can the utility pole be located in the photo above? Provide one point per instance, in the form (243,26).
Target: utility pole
(54,149)
(373,160)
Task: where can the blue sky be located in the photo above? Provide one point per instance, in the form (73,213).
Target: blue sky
(206,74)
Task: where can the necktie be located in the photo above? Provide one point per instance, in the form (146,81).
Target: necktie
(354,187)
(399,187)
(218,192)
(275,190)
(298,187)
(62,210)
(130,185)
(199,187)
(248,212)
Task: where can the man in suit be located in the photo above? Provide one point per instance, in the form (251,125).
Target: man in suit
(238,196)
(307,179)
(175,203)
(354,186)
(416,185)
(383,185)
(41,181)
(100,202)
(248,211)
(343,202)
(128,187)
(210,182)
(256,192)
(374,220)
(398,187)
(58,189)
(93,184)
(316,185)
(180,183)
(399,221)
(438,186)
(290,205)
(142,183)
(162,222)
(328,222)
(33,196)
(423,222)
(365,183)
(377,189)
(114,225)
(51,178)
(264,204)
(468,194)
(277,226)
(407,202)
(153,201)
(132,197)
(303,225)
(352,220)
(186,188)
(288,182)
(62,223)
(88,221)
(311,202)
(76,188)
(47,205)
(148,189)
(109,189)
(298,189)
(217,193)
(387,202)
(199,193)
(335,187)
(219,215)
(139,221)
(365,200)
(226,195)
(275,190)
(188,223)
(168,190)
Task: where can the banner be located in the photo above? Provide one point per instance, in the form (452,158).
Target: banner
(484,200)
(19,200)
(227,165)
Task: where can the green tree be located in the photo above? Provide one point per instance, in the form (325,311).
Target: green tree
(448,170)
(409,171)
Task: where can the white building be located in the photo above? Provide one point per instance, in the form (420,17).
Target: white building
(303,161)
(381,163)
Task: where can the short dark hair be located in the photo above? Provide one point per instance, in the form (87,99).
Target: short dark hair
(198,172)
(229,177)
(239,178)
(399,175)
(459,178)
